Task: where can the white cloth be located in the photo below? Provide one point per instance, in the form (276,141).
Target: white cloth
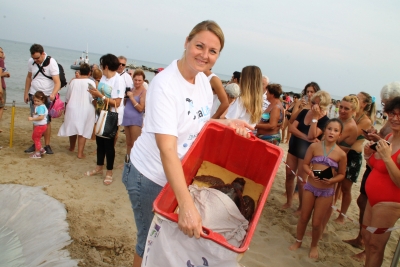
(145,85)
(216,104)
(166,245)
(238,111)
(117,85)
(173,107)
(80,113)
(127,79)
(266,103)
(220,214)
(209,77)
(42,83)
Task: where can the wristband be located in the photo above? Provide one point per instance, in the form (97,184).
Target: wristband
(104,97)
(136,105)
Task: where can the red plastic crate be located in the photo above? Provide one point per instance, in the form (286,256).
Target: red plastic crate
(252,158)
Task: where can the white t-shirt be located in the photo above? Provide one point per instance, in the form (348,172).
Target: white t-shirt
(265,101)
(174,107)
(42,83)
(117,85)
(40,110)
(127,79)
(238,111)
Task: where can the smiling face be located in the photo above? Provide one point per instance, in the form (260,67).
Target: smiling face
(333,131)
(394,119)
(202,51)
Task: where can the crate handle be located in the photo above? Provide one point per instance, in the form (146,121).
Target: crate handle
(206,233)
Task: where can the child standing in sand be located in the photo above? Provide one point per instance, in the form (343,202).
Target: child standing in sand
(39,118)
(330,161)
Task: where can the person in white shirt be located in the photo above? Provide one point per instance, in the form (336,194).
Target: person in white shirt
(178,104)
(248,106)
(111,90)
(40,65)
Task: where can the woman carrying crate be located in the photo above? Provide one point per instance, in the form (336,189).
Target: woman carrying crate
(179,104)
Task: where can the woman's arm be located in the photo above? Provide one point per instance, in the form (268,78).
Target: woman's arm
(189,220)
(293,129)
(216,84)
(139,106)
(273,120)
(314,131)
(296,111)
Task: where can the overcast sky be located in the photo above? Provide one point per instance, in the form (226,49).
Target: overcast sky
(345,46)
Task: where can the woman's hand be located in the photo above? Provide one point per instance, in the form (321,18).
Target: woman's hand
(316,111)
(241,127)
(326,181)
(189,220)
(129,93)
(384,150)
(303,103)
(367,150)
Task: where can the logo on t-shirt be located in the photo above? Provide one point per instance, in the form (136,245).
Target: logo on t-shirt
(202,113)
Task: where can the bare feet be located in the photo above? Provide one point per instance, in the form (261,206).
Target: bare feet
(357,243)
(339,220)
(296,245)
(313,253)
(296,195)
(359,257)
(71,148)
(81,156)
(286,206)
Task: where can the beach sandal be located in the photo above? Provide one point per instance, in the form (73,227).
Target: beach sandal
(108,180)
(93,172)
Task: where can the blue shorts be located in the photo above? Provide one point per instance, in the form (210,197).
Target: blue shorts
(32,106)
(142,193)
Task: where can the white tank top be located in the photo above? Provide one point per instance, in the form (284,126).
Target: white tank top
(211,75)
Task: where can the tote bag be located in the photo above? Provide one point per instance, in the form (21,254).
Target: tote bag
(107,123)
(57,107)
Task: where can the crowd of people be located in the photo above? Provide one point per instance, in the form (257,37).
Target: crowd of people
(326,138)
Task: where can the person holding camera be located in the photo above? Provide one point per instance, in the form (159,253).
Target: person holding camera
(134,109)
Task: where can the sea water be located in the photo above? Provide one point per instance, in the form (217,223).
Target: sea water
(17,56)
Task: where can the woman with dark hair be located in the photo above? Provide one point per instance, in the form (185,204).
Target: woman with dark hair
(134,109)
(382,187)
(306,129)
(268,128)
(79,113)
(305,103)
(111,90)
(286,122)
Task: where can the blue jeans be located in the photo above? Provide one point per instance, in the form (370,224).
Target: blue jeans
(142,193)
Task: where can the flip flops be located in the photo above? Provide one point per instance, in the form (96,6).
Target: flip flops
(93,172)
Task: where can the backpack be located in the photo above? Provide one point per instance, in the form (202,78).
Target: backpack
(46,62)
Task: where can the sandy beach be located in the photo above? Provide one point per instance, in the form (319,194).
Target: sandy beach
(101,219)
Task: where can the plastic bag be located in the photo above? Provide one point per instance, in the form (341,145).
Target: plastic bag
(166,245)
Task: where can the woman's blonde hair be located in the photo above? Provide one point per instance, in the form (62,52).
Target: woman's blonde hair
(370,108)
(353,100)
(252,91)
(324,97)
(208,25)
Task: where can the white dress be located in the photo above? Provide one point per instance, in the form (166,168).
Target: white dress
(79,116)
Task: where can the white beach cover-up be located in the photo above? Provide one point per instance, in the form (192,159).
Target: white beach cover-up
(79,116)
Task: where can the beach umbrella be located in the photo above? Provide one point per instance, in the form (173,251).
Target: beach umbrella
(33,229)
